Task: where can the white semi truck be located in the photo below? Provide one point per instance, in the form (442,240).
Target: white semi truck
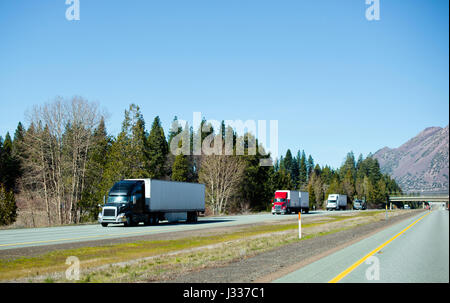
(336,202)
(132,201)
(288,201)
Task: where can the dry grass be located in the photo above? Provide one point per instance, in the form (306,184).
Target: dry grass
(163,259)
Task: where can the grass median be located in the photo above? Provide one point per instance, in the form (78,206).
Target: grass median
(159,260)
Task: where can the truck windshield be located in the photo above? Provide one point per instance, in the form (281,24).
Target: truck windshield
(118,199)
(279,200)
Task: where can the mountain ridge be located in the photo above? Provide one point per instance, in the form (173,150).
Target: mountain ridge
(421,163)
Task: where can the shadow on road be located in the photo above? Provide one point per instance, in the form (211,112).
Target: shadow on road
(165,223)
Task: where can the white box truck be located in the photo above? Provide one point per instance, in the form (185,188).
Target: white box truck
(133,201)
(288,201)
(336,202)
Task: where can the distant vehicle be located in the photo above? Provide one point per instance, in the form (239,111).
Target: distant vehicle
(288,201)
(406,206)
(359,204)
(133,201)
(336,202)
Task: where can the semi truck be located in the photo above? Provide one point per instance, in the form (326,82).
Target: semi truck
(359,204)
(132,201)
(336,202)
(288,201)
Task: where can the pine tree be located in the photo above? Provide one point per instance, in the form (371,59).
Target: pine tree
(315,187)
(296,170)
(288,161)
(157,150)
(9,164)
(180,168)
(348,185)
(303,171)
(175,129)
(92,195)
(310,165)
(335,187)
(255,188)
(8,207)
(280,180)
(129,153)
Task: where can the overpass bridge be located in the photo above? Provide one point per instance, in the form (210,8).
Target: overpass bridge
(416,201)
(424,198)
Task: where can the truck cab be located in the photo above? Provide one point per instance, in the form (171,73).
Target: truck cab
(124,204)
(336,202)
(280,203)
(359,204)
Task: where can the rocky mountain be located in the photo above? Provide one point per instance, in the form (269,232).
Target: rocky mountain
(422,163)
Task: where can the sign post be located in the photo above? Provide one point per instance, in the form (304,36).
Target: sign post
(299,225)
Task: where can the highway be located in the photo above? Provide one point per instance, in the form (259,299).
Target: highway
(413,251)
(28,237)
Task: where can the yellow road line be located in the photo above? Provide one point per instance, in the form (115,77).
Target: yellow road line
(356,264)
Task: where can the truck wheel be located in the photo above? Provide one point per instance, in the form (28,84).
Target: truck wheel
(129,222)
(148,221)
(105,224)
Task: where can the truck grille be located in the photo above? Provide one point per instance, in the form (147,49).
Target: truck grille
(109,212)
(278,207)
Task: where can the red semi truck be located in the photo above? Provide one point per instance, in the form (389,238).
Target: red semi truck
(288,201)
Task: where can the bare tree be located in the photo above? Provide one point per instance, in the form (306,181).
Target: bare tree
(57,146)
(222,176)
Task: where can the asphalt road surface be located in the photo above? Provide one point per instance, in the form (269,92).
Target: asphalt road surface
(413,251)
(28,237)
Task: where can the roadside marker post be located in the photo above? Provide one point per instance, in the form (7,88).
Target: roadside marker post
(386,213)
(299,225)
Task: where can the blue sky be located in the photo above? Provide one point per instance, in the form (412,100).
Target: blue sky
(335,81)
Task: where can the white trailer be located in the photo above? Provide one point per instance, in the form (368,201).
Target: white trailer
(336,202)
(132,201)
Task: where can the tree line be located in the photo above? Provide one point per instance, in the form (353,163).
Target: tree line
(65,161)
(358,179)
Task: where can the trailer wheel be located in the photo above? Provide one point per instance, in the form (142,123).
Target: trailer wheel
(154,219)
(192,217)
